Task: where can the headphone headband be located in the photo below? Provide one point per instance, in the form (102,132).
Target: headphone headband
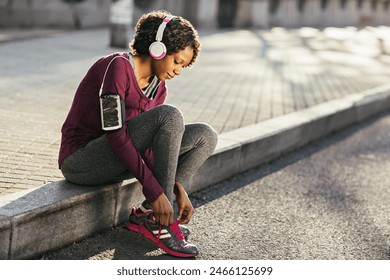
(161,28)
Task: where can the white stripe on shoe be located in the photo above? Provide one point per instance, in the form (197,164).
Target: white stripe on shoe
(163,236)
(163,231)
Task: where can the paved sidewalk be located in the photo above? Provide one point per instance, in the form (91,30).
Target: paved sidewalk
(242,77)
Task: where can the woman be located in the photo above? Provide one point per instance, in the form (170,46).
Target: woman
(149,140)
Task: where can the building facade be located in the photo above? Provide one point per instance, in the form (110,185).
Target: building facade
(203,13)
(270,13)
(54,13)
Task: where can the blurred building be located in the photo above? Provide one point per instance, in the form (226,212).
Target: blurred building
(202,13)
(269,13)
(54,13)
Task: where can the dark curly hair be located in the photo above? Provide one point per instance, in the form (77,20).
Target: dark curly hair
(178,34)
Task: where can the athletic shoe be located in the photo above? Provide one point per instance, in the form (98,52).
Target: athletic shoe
(137,217)
(170,238)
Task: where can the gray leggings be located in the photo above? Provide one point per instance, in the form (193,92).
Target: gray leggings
(178,150)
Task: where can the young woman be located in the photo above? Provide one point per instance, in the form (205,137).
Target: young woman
(149,140)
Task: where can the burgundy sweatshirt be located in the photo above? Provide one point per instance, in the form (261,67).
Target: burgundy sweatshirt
(83,123)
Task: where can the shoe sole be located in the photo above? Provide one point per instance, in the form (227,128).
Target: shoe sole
(132,227)
(147,234)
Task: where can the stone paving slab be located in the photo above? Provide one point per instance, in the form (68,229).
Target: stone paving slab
(243,77)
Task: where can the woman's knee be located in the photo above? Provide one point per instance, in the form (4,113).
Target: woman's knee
(211,134)
(172,116)
(171,111)
(207,135)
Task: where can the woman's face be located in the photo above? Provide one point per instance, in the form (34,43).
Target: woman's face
(171,65)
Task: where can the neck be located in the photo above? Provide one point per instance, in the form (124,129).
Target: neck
(143,70)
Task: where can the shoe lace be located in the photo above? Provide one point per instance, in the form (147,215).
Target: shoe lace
(175,229)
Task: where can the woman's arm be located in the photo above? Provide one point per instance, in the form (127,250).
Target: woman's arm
(117,81)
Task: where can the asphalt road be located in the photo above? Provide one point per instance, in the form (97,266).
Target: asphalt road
(329,200)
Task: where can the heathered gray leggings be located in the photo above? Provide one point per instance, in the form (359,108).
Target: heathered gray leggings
(178,149)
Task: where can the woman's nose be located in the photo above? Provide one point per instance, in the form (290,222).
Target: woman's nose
(177,71)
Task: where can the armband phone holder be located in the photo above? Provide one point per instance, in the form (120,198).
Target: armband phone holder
(112,108)
(112,111)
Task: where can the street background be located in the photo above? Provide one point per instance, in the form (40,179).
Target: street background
(329,200)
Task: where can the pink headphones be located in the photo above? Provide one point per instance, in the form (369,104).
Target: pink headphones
(157,49)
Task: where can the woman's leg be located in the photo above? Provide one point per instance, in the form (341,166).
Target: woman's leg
(176,155)
(161,130)
(198,143)
(94,164)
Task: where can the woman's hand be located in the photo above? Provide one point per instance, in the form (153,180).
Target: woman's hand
(185,208)
(163,211)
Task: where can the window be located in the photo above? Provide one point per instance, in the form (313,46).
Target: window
(386,5)
(274,6)
(301,5)
(374,4)
(324,3)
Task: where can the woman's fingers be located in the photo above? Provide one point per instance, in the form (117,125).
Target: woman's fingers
(163,211)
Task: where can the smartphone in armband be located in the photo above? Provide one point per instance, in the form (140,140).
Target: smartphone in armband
(112,112)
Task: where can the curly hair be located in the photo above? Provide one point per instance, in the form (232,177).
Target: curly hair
(178,34)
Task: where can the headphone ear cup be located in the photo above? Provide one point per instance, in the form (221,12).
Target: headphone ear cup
(157,50)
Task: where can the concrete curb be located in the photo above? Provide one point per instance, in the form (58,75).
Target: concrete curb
(60,213)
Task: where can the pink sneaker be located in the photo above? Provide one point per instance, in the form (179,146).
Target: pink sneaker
(137,217)
(170,239)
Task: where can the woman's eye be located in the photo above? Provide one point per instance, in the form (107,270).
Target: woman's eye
(175,61)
